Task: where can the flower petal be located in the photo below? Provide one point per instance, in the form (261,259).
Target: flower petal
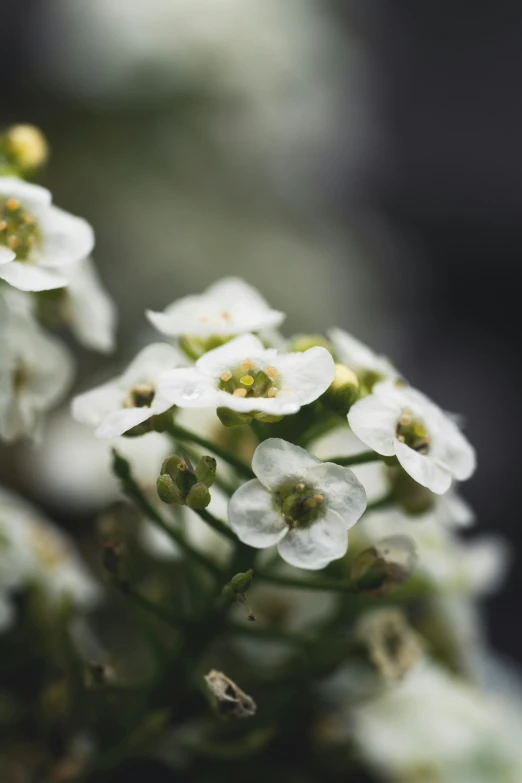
(91,407)
(459,454)
(358,356)
(275,460)
(66,238)
(187,387)
(253,518)
(423,468)
(117,422)
(33,198)
(308,374)
(150,363)
(315,546)
(374,421)
(342,490)
(6,255)
(214,362)
(27,277)
(93,313)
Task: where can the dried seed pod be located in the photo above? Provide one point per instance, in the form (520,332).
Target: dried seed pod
(230,701)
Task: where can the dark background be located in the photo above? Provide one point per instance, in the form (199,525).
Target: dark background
(436,206)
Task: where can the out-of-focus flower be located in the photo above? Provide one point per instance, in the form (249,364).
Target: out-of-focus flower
(244,376)
(33,552)
(25,148)
(301,504)
(393,646)
(129,400)
(35,372)
(228,308)
(367,365)
(427,442)
(43,238)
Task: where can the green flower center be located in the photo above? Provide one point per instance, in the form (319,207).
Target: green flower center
(412,431)
(299,503)
(19,230)
(246,380)
(140,396)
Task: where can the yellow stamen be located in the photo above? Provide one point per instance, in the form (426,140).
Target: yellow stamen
(319,498)
(272,392)
(28,219)
(246,380)
(310,503)
(3,225)
(13,242)
(239,392)
(271,372)
(299,487)
(226,376)
(12,203)
(225,316)
(246,364)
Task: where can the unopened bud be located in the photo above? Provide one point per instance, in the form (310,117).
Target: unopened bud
(26,148)
(392,645)
(206,470)
(343,391)
(230,418)
(181,474)
(229,700)
(198,496)
(302,342)
(384,566)
(239,583)
(411,496)
(167,490)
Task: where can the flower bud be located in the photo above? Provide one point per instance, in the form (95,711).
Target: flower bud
(198,496)
(412,497)
(26,148)
(344,390)
(384,566)
(239,583)
(229,418)
(206,470)
(302,342)
(181,474)
(167,490)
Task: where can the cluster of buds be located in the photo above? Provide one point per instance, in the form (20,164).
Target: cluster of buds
(180,483)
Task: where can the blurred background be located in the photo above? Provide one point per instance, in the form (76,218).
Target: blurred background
(359,163)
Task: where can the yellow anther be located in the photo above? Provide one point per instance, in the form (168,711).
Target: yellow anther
(318,498)
(239,392)
(271,372)
(128,402)
(3,225)
(401,438)
(13,242)
(28,219)
(272,392)
(246,364)
(12,203)
(246,380)
(311,503)
(30,241)
(226,376)
(226,316)
(406,418)
(300,487)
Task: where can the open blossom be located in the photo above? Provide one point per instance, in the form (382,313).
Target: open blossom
(35,372)
(226,309)
(129,400)
(43,238)
(367,365)
(245,376)
(303,505)
(427,442)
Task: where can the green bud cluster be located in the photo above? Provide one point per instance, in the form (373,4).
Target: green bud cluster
(179,483)
(19,230)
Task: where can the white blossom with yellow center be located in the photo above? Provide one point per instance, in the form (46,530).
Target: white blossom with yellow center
(401,421)
(244,376)
(36,238)
(302,505)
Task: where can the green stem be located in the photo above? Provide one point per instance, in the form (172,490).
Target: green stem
(356,459)
(216,524)
(151,607)
(180,433)
(305,584)
(260,430)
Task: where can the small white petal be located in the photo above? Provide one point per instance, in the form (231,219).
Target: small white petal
(91,407)
(253,518)
(187,387)
(358,356)
(284,404)
(308,374)
(149,363)
(27,277)
(315,546)
(66,238)
(246,346)
(374,421)
(118,422)
(342,491)
(459,454)
(423,468)
(6,255)
(275,460)
(92,312)
(33,198)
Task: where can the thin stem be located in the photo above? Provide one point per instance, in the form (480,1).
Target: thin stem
(217,524)
(260,430)
(305,584)
(180,433)
(356,459)
(152,608)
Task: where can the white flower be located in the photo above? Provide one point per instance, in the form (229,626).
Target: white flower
(42,237)
(245,376)
(303,505)
(367,365)
(403,422)
(35,372)
(34,552)
(226,309)
(127,401)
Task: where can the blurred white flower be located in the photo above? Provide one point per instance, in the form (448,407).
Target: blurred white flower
(403,422)
(367,365)
(301,504)
(226,309)
(35,372)
(129,400)
(244,376)
(43,238)
(33,552)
